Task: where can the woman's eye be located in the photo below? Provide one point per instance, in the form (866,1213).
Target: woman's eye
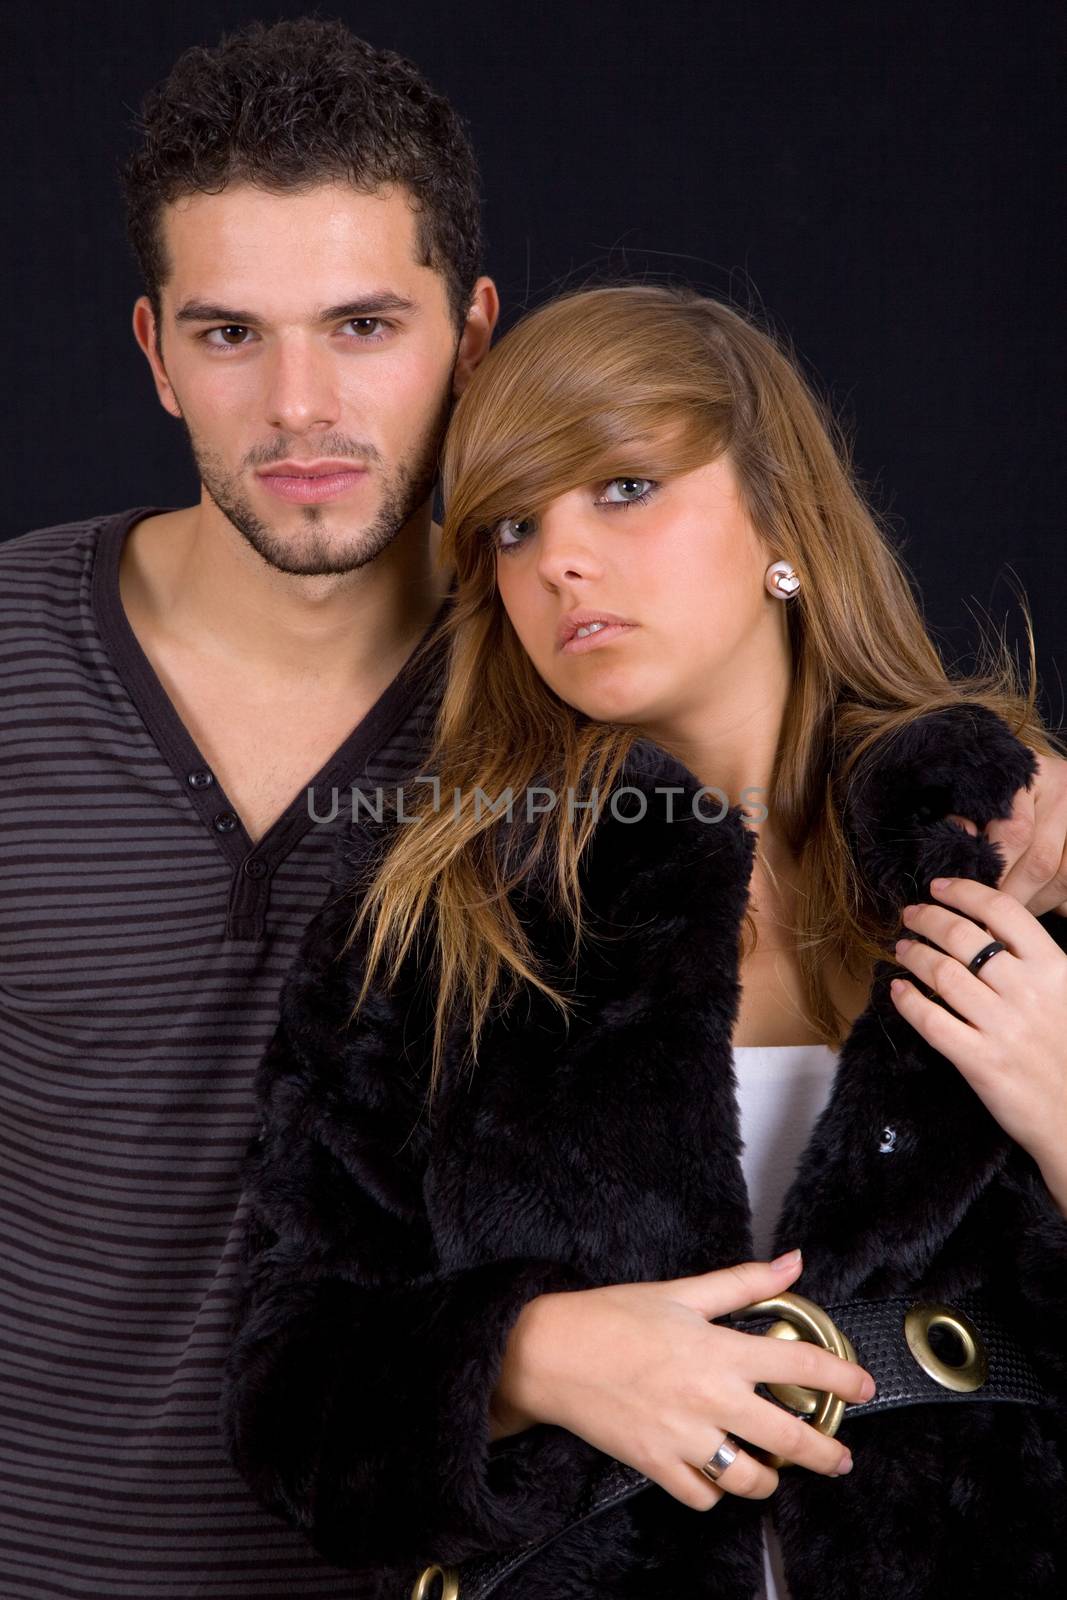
(630,490)
(511,531)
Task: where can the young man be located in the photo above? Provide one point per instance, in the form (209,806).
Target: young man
(174,682)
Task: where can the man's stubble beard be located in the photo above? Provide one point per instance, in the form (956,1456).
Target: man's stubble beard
(320,555)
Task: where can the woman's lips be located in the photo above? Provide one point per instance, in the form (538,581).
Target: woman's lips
(604,635)
(308,490)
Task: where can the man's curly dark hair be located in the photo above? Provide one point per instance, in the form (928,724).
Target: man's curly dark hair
(292,104)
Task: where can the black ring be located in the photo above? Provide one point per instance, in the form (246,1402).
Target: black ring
(984,954)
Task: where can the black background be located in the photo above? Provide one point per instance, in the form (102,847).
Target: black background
(880,182)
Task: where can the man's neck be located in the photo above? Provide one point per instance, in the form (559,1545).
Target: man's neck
(190,575)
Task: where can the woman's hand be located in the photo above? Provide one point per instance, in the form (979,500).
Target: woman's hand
(1009,1034)
(638,1370)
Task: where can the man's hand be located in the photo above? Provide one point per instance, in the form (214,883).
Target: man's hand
(1033,840)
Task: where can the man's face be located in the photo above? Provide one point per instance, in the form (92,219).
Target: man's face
(299,330)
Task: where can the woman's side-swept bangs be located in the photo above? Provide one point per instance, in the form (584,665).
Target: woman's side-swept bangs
(530,472)
(564,401)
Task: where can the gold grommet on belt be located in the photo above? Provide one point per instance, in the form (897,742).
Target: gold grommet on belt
(449,1584)
(803,1319)
(972,1371)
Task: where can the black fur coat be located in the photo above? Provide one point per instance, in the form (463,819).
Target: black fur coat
(390,1253)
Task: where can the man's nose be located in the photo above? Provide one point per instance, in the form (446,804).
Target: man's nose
(302,390)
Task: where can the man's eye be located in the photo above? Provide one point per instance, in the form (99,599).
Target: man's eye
(631,490)
(364,324)
(369,330)
(230,328)
(511,531)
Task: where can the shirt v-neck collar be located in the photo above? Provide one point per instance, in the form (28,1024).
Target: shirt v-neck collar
(200,785)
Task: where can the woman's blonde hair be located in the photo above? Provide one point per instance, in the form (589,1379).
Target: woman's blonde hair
(650,380)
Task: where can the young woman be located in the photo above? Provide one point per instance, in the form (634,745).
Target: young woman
(534,1124)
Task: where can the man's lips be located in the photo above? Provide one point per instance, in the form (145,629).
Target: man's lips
(311,483)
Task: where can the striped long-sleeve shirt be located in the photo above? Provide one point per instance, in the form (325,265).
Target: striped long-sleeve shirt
(143,943)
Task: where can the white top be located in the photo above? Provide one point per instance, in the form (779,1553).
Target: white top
(781,1090)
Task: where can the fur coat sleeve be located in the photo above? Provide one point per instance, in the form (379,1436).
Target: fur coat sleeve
(357,1393)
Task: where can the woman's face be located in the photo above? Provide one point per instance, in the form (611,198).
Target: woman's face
(676,571)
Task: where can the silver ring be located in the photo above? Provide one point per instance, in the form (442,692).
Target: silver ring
(724,1457)
(984,954)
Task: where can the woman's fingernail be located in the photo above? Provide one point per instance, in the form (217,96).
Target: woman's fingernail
(867,1392)
(783,1263)
(846,1466)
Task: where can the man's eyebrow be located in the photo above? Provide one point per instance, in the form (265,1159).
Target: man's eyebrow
(369,305)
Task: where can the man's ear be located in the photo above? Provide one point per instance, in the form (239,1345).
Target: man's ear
(477,333)
(146,334)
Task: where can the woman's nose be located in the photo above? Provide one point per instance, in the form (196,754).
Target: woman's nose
(567,549)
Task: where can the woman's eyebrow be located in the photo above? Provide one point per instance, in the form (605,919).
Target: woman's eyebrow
(369,305)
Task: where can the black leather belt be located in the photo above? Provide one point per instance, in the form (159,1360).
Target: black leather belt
(917,1352)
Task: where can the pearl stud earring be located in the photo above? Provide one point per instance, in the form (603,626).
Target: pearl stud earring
(781,580)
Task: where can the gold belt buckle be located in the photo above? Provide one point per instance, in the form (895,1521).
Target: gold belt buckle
(803,1319)
(423,1589)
